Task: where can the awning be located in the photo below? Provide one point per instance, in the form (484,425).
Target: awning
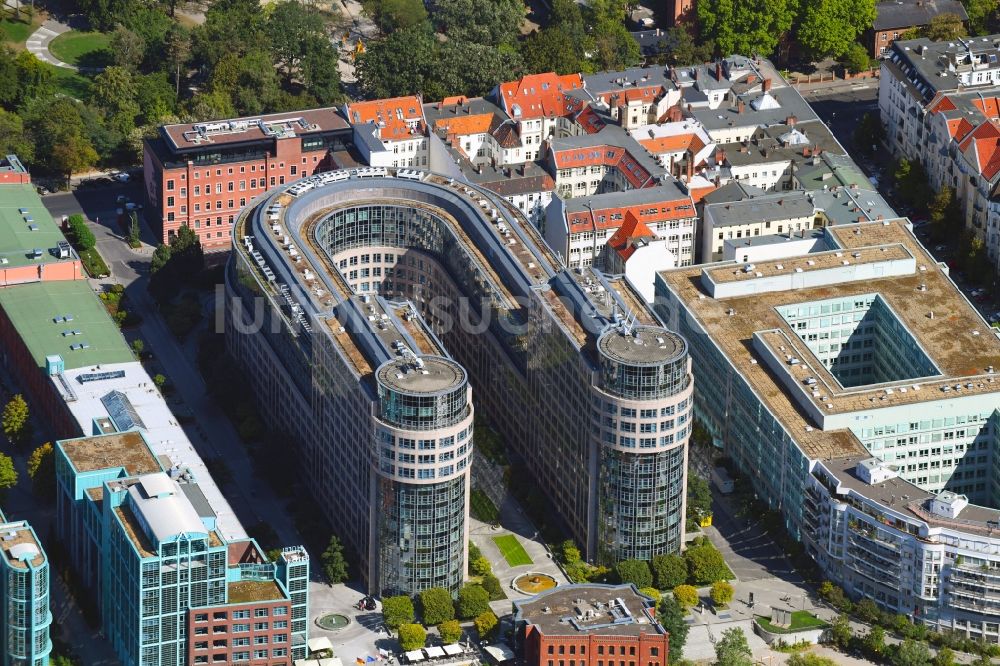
(434,652)
(452,650)
(319,643)
(499,652)
(415,655)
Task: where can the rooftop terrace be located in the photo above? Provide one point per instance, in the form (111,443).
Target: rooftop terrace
(249,591)
(127,450)
(19,546)
(608,610)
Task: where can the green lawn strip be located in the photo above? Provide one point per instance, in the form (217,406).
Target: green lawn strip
(69,82)
(482,508)
(16,33)
(73,47)
(512,550)
(93,263)
(800,620)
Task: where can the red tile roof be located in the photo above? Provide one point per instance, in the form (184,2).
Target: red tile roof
(397,118)
(958,128)
(621,241)
(982,146)
(673,144)
(606,156)
(540,95)
(941,103)
(612,218)
(590,121)
(990,106)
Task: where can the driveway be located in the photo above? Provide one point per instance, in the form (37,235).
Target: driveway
(748,549)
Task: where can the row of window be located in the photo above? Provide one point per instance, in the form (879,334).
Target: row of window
(241,656)
(654,651)
(242,614)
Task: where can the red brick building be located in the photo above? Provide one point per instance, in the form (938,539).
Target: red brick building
(894,18)
(202,174)
(590,625)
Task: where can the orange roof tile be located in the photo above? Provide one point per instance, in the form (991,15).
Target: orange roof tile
(958,128)
(603,155)
(990,106)
(397,117)
(985,140)
(698,193)
(540,95)
(941,103)
(612,218)
(673,144)
(466,125)
(632,228)
(590,121)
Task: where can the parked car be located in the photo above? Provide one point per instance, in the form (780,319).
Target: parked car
(122,177)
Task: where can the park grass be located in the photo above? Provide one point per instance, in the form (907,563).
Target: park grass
(16,33)
(77,48)
(68,82)
(482,508)
(801,620)
(512,550)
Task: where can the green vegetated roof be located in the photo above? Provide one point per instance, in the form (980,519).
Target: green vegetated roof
(34,308)
(17,240)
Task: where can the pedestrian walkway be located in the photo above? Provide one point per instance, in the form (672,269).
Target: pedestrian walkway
(38,43)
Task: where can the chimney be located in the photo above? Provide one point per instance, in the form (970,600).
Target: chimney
(751,79)
(657,32)
(806,152)
(718,71)
(690,169)
(720,155)
(791,120)
(522,169)
(767,85)
(740,106)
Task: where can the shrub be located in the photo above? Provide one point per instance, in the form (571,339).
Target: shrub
(492,586)
(486,625)
(473,600)
(722,593)
(867,611)
(333,561)
(451,632)
(397,611)
(412,637)
(568,552)
(669,571)
(634,571)
(672,617)
(480,566)
(436,606)
(474,553)
(651,592)
(686,595)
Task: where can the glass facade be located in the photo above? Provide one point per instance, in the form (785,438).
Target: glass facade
(423,411)
(422,535)
(24,585)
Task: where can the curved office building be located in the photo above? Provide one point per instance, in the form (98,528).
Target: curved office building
(369,308)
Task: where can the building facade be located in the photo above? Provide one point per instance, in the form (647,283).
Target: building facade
(201,174)
(608,625)
(408,287)
(24,591)
(838,399)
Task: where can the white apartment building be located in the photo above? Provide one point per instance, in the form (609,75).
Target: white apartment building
(399,125)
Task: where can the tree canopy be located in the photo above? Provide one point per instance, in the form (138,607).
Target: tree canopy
(748,28)
(830,27)
(671,616)
(732,649)
(334,562)
(436,606)
(397,611)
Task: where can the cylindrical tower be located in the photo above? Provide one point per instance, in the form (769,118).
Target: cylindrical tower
(642,416)
(424,460)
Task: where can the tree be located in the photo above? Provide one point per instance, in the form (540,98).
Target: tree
(231,27)
(400,63)
(134,235)
(480,566)
(334,562)
(722,592)
(392,15)
(486,625)
(669,571)
(699,497)
(412,637)
(684,49)
(869,133)
(551,50)
(874,642)
(671,616)
(74,154)
(614,46)
(138,346)
(116,91)
(473,600)
(15,419)
(750,28)
(855,59)
(397,611)
(568,552)
(732,649)
(177,51)
(319,72)
(945,213)
(840,632)
(944,27)
(436,606)
(706,565)
(8,475)
(450,631)
(945,657)
(13,139)
(830,27)
(982,16)
(866,610)
(290,26)
(127,47)
(634,571)
(492,586)
(910,653)
(485,22)
(42,471)
(686,595)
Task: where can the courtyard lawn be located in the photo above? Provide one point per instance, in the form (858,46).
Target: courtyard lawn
(69,82)
(15,33)
(800,620)
(512,550)
(84,49)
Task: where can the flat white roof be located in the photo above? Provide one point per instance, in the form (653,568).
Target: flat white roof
(164,509)
(163,433)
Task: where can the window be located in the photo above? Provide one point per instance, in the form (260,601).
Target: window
(260,612)
(170,184)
